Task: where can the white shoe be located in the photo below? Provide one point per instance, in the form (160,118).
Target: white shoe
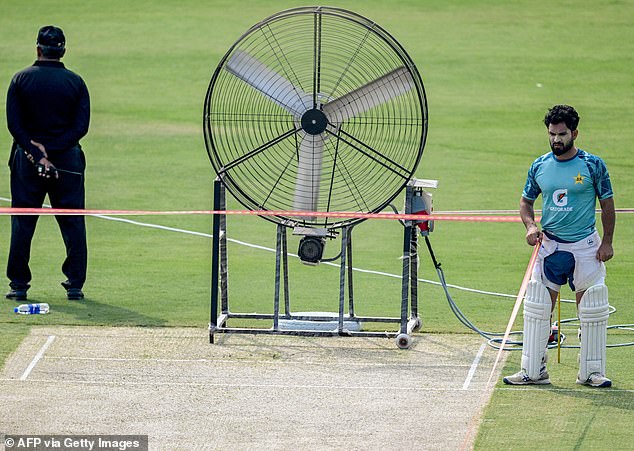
(595,380)
(521,378)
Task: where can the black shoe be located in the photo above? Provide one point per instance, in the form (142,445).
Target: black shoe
(74,294)
(16,294)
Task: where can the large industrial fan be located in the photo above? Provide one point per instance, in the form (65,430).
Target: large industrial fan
(315,110)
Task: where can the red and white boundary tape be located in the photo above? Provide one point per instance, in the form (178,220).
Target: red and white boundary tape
(283,213)
(464,216)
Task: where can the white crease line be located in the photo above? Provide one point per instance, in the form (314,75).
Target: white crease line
(37,357)
(272,361)
(474,366)
(243,386)
(540,389)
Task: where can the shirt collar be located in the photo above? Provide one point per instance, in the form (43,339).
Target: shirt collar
(47,63)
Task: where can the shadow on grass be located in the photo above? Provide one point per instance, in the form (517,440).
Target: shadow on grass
(602,397)
(88,312)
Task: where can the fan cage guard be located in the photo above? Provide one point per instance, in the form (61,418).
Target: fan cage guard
(254,141)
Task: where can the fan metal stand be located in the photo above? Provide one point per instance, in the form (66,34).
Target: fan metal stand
(345,322)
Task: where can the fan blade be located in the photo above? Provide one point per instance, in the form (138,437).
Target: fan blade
(311,150)
(375,93)
(269,83)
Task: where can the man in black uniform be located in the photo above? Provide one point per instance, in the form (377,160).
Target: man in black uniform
(48,112)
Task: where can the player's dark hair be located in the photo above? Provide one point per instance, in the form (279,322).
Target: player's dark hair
(562,113)
(52,53)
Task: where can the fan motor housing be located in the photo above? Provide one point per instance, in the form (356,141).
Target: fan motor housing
(314,121)
(311,249)
(312,244)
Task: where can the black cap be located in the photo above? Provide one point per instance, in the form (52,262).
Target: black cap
(52,37)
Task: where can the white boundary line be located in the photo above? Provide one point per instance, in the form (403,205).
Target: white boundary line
(37,357)
(268,249)
(474,366)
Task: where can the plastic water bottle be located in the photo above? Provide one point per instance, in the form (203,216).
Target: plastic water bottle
(31,309)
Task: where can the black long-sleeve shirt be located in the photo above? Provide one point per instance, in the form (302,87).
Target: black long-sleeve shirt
(48,104)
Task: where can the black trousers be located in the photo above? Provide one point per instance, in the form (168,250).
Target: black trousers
(28,190)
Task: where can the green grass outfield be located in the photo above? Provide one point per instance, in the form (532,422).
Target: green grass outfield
(490,70)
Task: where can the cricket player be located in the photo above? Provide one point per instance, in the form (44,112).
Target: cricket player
(570,181)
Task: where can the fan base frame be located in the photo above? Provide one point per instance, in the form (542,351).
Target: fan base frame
(408,322)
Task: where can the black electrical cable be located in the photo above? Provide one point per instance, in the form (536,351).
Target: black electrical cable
(491,336)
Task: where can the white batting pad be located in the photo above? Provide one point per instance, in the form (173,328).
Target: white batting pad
(537,307)
(594,311)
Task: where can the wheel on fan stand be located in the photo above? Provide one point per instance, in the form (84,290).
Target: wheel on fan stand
(403,341)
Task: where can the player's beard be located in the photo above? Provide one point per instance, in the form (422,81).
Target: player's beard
(560,150)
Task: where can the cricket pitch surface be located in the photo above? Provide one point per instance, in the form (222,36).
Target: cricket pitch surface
(247,391)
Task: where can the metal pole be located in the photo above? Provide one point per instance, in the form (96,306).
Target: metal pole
(278,264)
(407,238)
(214,261)
(287,299)
(406,277)
(342,276)
(350,272)
(224,264)
(414,272)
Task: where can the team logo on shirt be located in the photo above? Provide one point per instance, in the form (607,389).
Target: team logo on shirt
(560,197)
(578,179)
